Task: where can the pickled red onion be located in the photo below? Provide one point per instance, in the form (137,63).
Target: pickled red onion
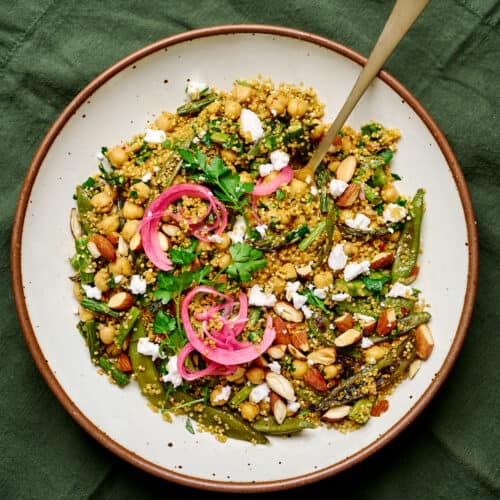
(284,176)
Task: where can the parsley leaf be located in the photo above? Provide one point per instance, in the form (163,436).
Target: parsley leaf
(163,323)
(315,301)
(189,426)
(181,256)
(386,155)
(375,281)
(245,260)
(370,129)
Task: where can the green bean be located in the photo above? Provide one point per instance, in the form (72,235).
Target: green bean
(170,168)
(322,181)
(360,412)
(127,324)
(291,425)
(318,328)
(409,244)
(219,420)
(331,219)
(219,137)
(371,195)
(240,396)
(308,240)
(194,107)
(412,321)
(402,305)
(99,307)
(118,376)
(355,234)
(145,370)
(93,343)
(282,240)
(84,207)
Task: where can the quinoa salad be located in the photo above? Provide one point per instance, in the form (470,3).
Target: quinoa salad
(236,293)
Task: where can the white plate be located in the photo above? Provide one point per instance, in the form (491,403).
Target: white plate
(120,103)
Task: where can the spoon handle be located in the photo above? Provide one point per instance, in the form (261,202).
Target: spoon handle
(403,15)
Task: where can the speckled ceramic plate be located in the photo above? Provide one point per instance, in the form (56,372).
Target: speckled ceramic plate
(119,103)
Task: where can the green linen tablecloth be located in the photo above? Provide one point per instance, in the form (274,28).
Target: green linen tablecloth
(50,49)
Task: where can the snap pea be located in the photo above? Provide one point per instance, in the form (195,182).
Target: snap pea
(82,261)
(360,411)
(291,425)
(170,168)
(126,325)
(282,240)
(118,376)
(379,178)
(93,343)
(355,288)
(218,420)
(98,307)
(194,107)
(84,207)
(145,370)
(355,234)
(308,240)
(322,182)
(331,219)
(412,321)
(240,396)
(409,244)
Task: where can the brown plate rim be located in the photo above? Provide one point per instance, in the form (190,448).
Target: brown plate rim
(51,379)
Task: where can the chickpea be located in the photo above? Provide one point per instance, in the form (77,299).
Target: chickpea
(346,143)
(350,249)
(77,291)
(129,229)
(255,375)
(117,156)
(120,266)
(108,224)
(214,107)
(225,242)
(106,334)
(142,191)
(249,410)
(101,279)
(289,272)
(224,260)
(389,193)
(297,107)
(217,398)
(332,371)
(299,368)
(232,109)
(132,210)
(237,376)
(277,103)
(165,122)
(317,132)
(324,279)
(85,314)
(203,246)
(242,93)
(228,155)
(297,187)
(246,177)
(102,202)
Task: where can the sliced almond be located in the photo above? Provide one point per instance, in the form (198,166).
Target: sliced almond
(74,223)
(122,249)
(381,260)
(278,407)
(425,341)
(280,385)
(314,379)
(346,169)
(369,326)
(163,240)
(304,271)
(295,352)
(113,237)
(282,334)
(171,230)
(386,322)
(344,322)
(104,246)
(121,301)
(300,340)
(277,351)
(349,337)
(336,414)
(349,196)
(94,251)
(135,243)
(287,312)
(324,356)
(414,367)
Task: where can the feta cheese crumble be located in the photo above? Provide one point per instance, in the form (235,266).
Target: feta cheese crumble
(155,136)
(290,288)
(394,213)
(261,229)
(361,222)
(251,124)
(223,394)
(320,293)
(307,311)
(92,292)
(259,393)
(257,297)
(148,348)
(298,300)
(293,406)
(193,88)
(275,367)
(400,290)
(337,187)
(366,343)
(118,278)
(239,230)
(337,258)
(279,160)
(340,297)
(353,270)
(146,177)
(214,238)
(173,374)
(137,285)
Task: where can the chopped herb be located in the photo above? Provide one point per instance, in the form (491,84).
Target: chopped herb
(89,183)
(370,129)
(396,177)
(386,156)
(163,323)
(280,194)
(245,260)
(375,281)
(189,426)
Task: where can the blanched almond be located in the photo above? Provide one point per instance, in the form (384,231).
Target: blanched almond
(324,356)
(304,271)
(171,230)
(277,351)
(381,260)
(425,341)
(104,246)
(287,312)
(386,322)
(349,337)
(344,322)
(121,301)
(300,340)
(336,414)
(163,240)
(122,247)
(295,352)
(135,242)
(349,196)
(346,169)
(278,407)
(280,385)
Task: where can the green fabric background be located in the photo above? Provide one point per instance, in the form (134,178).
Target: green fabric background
(50,49)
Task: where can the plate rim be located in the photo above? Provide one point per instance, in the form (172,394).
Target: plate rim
(51,379)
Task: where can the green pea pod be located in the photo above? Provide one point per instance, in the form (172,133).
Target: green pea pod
(412,321)
(282,240)
(127,324)
(217,420)
(194,107)
(118,376)
(99,307)
(291,425)
(84,208)
(240,396)
(93,343)
(308,240)
(409,244)
(145,370)
(330,221)
(360,412)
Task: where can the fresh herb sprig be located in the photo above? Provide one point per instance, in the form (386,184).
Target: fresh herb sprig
(245,260)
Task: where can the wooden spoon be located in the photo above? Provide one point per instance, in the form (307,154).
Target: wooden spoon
(403,15)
